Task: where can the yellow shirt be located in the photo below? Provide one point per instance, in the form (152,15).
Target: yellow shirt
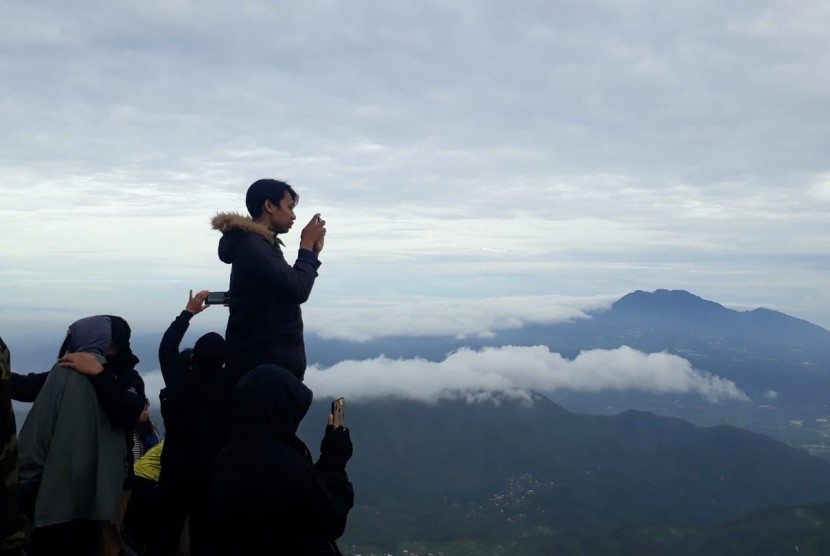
(149,465)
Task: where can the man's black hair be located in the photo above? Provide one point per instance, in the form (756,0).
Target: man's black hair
(267,190)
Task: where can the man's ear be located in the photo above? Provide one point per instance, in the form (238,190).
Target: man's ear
(268,206)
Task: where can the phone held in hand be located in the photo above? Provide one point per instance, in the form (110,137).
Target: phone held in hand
(217,298)
(338,412)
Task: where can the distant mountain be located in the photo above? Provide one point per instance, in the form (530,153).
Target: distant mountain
(778,360)
(679,318)
(488,470)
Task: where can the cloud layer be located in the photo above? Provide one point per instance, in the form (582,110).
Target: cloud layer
(508,370)
(515,370)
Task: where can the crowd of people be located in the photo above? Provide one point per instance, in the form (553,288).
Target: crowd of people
(90,473)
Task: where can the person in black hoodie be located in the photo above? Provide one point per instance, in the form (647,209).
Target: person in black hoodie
(196,411)
(267,495)
(265,324)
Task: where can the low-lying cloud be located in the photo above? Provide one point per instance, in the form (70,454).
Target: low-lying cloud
(515,370)
(511,371)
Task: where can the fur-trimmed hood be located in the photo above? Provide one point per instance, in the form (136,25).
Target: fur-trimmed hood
(228,221)
(234,227)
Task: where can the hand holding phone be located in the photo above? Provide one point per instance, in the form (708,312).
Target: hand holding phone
(336,448)
(338,412)
(313,233)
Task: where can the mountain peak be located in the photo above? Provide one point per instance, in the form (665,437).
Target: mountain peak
(666,301)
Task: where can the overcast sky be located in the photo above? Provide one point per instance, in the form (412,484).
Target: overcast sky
(461,152)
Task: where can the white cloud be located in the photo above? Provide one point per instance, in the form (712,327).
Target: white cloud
(367,318)
(516,370)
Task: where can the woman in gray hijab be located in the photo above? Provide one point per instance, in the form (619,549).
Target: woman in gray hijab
(73,452)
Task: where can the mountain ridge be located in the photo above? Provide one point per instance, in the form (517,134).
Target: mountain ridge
(455,468)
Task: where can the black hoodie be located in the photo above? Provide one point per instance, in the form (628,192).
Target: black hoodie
(267,496)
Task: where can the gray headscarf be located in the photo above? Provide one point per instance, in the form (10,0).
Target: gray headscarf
(90,335)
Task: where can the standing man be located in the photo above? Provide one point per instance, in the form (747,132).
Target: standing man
(265,325)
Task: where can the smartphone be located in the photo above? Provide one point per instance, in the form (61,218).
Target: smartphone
(338,412)
(217,298)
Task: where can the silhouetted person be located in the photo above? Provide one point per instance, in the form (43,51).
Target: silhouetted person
(268,495)
(196,411)
(144,507)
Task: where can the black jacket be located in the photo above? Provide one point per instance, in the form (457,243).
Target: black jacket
(267,496)
(195,407)
(265,323)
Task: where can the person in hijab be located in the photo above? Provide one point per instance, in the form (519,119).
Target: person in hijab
(196,411)
(73,446)
(268,497)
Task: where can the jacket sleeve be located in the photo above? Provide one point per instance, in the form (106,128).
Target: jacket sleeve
(330,497)
(172,366)
(25,388)
(265,262)
(122,399)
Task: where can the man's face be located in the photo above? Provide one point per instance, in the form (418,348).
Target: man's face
(281,218)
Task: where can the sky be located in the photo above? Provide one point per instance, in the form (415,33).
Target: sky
(464,154)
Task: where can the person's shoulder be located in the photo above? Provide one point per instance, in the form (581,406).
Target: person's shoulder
(255,248)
